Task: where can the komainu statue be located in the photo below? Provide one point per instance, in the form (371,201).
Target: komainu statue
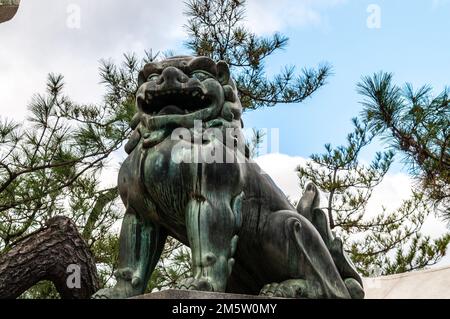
(184,178)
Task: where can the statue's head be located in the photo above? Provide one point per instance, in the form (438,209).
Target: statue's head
(180,90)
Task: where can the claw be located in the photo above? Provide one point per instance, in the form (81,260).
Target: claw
(136,281)
(309,201)
(201,284)
(293,288)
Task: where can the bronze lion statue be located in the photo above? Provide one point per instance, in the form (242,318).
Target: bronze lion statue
(189,175)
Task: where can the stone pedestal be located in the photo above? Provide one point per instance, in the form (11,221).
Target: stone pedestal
(192,294)
(425,284)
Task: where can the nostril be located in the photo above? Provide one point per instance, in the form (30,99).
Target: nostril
(172,75)
(183,78)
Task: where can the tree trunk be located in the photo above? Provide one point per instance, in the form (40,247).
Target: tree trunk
(46,255)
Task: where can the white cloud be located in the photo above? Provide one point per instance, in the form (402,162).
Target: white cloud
(268,16)
(281,168)
(38,41)
(439,3)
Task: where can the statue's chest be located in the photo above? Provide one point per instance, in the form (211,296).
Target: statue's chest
(169,184)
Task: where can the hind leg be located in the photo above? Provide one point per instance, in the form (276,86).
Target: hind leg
(300,288)
(308,207)
(297,253)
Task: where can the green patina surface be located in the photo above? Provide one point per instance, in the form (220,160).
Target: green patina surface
(244,234)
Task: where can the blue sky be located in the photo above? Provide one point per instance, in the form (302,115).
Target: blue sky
(413,43)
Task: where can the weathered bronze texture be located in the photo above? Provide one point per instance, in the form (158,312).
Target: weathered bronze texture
(245,235)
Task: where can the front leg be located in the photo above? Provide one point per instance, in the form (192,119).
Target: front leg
(212,222)
(140,245)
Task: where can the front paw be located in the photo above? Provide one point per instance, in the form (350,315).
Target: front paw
(202,284)
(293,288)
(278,290)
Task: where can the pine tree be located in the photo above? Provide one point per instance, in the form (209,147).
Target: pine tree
(216,29)
(415,124)
(388,242)
(51,165)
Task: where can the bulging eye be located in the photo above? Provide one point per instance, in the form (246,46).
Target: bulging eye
(152,77)
(201,75)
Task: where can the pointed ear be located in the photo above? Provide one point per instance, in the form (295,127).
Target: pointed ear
(223,72)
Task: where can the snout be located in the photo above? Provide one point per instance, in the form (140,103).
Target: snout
(171,78)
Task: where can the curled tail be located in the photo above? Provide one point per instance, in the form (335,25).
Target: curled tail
(308,207)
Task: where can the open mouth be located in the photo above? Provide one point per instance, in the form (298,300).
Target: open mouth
(167,102)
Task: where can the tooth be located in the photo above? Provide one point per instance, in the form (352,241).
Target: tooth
(203,97)
(195,93)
